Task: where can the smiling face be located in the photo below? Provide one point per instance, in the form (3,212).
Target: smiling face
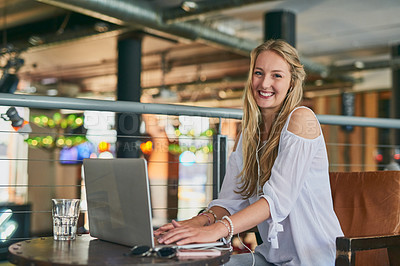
(271,81)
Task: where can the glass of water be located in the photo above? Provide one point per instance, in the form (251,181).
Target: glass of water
(65,214)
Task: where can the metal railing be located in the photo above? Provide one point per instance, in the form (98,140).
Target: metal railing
(171,109)
(219,141)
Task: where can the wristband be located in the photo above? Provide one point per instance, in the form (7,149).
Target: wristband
(213,214)
(229,237)
(208,217)
(226,225)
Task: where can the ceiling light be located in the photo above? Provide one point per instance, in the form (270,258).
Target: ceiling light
(35,40)
(52,92)
(359,64)
(319,82)
(222,94)
(48,81)
(101,27)
(189,6)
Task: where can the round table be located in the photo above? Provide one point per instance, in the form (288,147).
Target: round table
(86,250)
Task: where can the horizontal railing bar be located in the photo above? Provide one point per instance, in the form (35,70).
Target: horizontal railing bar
(34,101)
(48,102)
(51,186)
(340,120)
(38,186)
(357,165)
(361,145)
(154,208)
(22,212)
(80,161)
(112,135)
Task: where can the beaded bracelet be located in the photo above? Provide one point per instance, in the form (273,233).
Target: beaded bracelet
(226,225)
(229,238)
(213,214)
(208,217)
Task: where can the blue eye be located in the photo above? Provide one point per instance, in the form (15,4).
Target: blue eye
(257,73)
(277,76)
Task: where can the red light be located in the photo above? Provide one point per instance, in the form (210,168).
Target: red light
(397,156)
(379,157)
(146,147)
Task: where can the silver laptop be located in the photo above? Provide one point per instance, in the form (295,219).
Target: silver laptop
(118,200)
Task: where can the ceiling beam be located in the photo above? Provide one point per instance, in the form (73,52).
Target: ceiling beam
(21,12)
(65,26)
(140,14)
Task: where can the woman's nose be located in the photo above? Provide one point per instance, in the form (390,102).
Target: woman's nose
(267,82)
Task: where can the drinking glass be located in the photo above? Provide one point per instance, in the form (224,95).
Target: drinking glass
(65,214)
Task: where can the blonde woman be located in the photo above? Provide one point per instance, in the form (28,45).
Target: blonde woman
(277,178)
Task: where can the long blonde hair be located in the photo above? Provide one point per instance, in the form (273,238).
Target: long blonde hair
(252,119)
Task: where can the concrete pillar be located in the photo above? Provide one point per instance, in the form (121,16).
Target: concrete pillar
(129,89)
(280,25)
(395,100)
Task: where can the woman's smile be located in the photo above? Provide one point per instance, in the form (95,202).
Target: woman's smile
(265,94)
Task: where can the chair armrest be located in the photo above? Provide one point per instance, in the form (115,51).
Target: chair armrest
(347,246)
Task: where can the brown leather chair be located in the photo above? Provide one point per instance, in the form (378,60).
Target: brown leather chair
(368,207)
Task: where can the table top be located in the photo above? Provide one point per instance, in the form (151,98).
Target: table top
(86,250)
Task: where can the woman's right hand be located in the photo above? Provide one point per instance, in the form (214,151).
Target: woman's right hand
(196,221)
(182,234)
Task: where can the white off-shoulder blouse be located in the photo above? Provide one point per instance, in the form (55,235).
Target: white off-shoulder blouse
(303,226)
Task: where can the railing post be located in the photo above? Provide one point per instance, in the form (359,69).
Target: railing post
(219,161)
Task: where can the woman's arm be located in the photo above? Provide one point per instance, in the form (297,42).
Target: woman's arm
(242,221)
(196,221)
(251,216)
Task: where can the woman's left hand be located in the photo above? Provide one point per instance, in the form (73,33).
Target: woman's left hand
(185,234)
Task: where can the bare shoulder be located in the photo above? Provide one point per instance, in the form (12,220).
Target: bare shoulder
(303,123)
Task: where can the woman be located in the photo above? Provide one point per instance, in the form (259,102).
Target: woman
(277,178)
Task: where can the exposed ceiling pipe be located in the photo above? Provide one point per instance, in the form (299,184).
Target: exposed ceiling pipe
(71,36)
(367,65)
(140,14)
(190,10)
(18,13)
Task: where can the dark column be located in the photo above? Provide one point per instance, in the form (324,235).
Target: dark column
(128,89)
(395,101)
(394,113)
(280,25)
(219,162)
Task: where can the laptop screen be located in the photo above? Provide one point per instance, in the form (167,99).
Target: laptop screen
(118,199)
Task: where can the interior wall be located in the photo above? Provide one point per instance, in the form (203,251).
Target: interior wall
(353,150)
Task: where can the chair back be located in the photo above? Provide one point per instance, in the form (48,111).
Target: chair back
(367,204)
